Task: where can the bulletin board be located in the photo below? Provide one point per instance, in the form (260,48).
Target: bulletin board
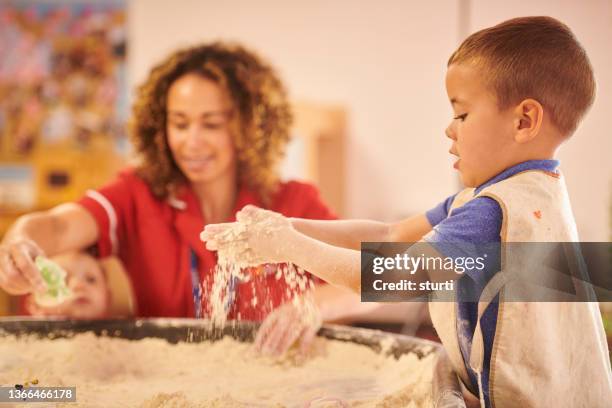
(63,99)
(63,102)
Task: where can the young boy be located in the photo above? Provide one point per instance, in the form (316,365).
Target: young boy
(86,279)
(518,91)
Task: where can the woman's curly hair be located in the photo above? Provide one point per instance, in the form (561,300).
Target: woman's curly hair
(261,111)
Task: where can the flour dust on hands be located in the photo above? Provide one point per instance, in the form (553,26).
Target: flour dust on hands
(252,246)
(258,236)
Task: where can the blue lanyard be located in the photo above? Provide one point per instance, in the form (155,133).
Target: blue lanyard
(195,283)
(196,287)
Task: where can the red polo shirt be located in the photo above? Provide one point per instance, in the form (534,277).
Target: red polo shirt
(154,239)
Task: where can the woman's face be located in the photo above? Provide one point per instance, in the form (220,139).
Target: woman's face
(199,129)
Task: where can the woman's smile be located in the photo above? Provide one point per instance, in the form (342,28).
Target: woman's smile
(198,163)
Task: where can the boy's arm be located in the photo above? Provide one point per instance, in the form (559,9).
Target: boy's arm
(268,237)
(409,230)
(335,265)
(343,233)
(342,267)
(263,236)
(337,303)
(351,233)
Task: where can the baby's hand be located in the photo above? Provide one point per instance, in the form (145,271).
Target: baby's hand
(259,236)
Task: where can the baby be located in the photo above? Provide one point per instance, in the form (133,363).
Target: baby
(87,282)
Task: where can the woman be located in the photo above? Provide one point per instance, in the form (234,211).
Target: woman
(209,126)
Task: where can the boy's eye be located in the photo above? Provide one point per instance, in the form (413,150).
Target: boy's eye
(461,117)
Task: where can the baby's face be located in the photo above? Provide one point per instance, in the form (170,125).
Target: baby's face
(87,282)
(482,135)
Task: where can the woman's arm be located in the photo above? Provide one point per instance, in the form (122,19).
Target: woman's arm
(63,228)
(60,229)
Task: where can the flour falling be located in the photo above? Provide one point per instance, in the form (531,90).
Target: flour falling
(237,264)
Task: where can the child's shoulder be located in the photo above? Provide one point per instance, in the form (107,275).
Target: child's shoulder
(536,207)
(477,220)
(527,186)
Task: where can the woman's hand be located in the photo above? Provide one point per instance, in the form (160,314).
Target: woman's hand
(18,272)
(71,308)
(34,309)
(259,236)
(296,322)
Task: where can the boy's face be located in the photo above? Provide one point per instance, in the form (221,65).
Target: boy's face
(482,135)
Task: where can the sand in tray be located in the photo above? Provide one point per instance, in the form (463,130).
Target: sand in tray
(152,373)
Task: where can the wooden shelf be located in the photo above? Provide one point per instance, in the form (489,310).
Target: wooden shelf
(323,131)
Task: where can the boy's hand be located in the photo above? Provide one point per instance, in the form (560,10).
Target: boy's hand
(18,272)
(259,236)
(295,322)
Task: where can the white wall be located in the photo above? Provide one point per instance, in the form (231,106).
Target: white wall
(586,159)
(385,62)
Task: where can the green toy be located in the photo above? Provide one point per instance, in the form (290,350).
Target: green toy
(55,277)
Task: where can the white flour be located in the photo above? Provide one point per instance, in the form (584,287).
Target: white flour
(236,262)
(152,373)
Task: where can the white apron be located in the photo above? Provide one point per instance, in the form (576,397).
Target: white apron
(545,354)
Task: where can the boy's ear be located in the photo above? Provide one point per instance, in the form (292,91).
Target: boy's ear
(529,115)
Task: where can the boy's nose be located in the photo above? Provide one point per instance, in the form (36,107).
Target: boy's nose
(449,132)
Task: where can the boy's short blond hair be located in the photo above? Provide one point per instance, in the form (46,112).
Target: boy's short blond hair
(533,57)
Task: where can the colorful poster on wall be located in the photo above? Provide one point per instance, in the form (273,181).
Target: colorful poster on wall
(62,76)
